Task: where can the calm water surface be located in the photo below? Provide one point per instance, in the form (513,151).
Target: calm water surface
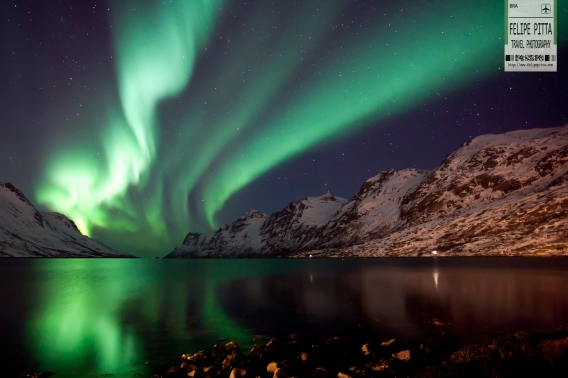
(85,318)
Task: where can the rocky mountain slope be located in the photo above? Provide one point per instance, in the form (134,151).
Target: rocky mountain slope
(294,228)
(501,194)
(27,232)
(374,211)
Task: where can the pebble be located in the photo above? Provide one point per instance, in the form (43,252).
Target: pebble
(403,355)
(238,373)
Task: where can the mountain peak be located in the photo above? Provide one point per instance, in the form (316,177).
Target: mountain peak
(328,197)
(10,187)
(251,213)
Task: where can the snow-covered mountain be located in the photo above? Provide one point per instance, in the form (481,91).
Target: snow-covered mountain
(27,232)
(256,234)
(496,195)
(501,194)
(240,238)
(374,211)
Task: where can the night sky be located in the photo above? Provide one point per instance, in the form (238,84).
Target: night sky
(144,120)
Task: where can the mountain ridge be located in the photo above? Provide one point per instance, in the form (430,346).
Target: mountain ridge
(497,194)
(257,234)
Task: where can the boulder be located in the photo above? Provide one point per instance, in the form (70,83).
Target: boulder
(403,355)
(238,373)
(273,366)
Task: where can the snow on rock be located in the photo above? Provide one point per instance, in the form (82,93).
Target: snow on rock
(375,210)
(298,226)
(240,238)
(27,232)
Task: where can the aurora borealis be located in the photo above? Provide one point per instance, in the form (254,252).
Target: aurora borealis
(144,120)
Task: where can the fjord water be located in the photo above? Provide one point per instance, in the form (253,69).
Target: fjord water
(85,317)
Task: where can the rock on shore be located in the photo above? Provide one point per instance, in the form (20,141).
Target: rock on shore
(508,355)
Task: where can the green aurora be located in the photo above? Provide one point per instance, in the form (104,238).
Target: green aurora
(260,103)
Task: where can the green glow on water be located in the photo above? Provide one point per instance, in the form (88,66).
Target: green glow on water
(215,318)
(79,317)
(94,316)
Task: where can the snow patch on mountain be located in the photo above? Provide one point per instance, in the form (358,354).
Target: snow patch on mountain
(375,210)
(298,225)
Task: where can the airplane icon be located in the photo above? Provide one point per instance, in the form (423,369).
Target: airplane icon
(545,8)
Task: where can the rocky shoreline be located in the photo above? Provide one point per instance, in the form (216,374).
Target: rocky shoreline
(505,355)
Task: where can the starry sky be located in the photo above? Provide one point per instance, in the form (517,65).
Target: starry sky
(144,120)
